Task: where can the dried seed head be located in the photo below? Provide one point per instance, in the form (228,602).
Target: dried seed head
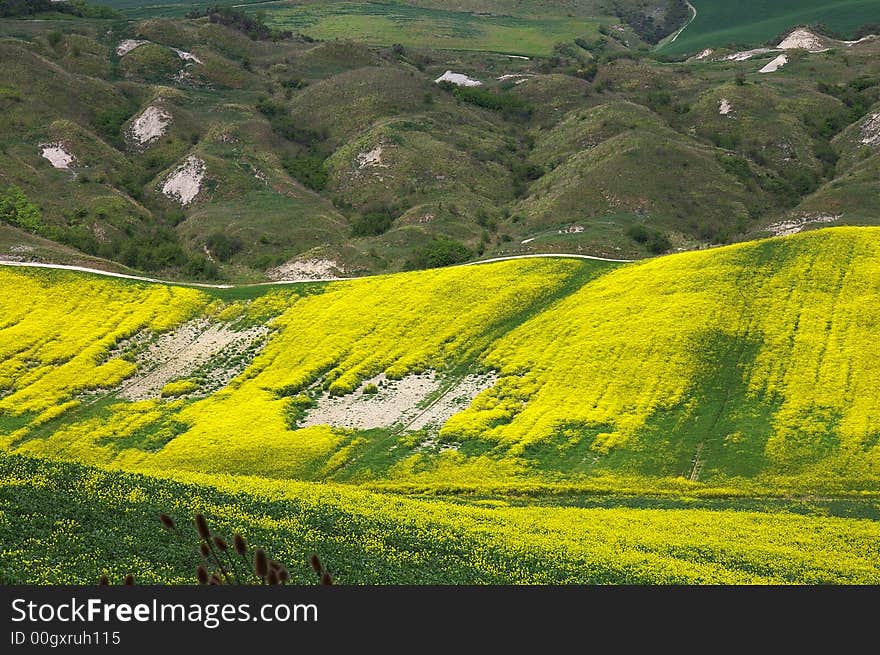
(215,579)
(315,561)
(202,574)
(220,542)
(283,575)
(326,579)
(129,580)
(202,527)
(104,581)
(167,521)
(204,549)
(275,566)
(261,564)
(239,544)
(272,577)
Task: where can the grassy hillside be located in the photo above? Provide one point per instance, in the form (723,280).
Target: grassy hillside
(744,368)
(620,158)
(719,23)
(300,158)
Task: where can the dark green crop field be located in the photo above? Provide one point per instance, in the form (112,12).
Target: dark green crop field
(753,22)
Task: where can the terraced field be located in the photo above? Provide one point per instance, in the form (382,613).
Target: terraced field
(569,398)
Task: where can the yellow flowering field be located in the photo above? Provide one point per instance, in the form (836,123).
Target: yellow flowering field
(611,357)
(58,330)
(65,523)
(750,368)
(699,393)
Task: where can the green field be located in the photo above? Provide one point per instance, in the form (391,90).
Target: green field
(389,23)
(68,524)
(139,9)
(754,22)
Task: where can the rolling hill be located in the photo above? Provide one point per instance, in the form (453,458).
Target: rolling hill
(189,150)
(743,376)
(447,291)
(742,364)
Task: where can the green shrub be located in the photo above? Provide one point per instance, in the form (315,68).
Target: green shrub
(17,209)
(655,241)
(373,223)
(439,252)
(109,122)
(223,247)
(254,26)
(309,170)
(151,63)
(736,166)
(502,102)
(201,268)
(75,7)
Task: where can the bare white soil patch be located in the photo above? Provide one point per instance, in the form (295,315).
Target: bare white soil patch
(458,79)
(794,225)
(184,184)
(307,269)
(217,352)
(871,131)
(747,54)
(371,158)
(19,252)
(187,56)
(56,154)
(399,403)
(519,77)
(705,54)
(572,229)
(775,65)
(152,124)
(396,402)
(128,45)
(456,399)
(724,107)
(803,39)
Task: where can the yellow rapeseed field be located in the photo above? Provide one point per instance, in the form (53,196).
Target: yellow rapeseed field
(600,360)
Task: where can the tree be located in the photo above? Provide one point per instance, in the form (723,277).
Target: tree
(16,208)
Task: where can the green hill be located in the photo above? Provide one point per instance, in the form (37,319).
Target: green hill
(190,150)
